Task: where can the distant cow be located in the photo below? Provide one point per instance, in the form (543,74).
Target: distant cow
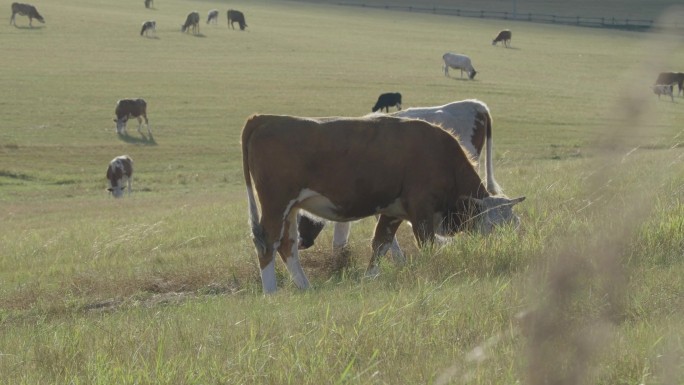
(469,120)
(503,37)
(664,89)
(120,175)
(670,78)
(458,61)
(192,20)
(212,16)
(236,17)
(148,26)
(388,100)
(127,108)
(149,3)
(25,10)
(344,169)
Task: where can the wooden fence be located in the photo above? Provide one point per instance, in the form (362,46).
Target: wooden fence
(599,22)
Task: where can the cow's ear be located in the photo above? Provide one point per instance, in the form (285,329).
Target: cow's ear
(517,200)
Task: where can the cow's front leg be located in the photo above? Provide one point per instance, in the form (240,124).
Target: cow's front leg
(289,250)
(424,230)
(139,125)
(382,240)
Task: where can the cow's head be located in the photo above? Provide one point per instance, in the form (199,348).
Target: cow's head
(480,215)
(118,190)
(121,124)
(472,74)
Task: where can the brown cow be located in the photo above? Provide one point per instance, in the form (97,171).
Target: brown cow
(25,10)
(344,169)
(469,120)
(503,37)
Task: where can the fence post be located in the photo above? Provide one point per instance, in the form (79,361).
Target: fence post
(578,19)
(505,15)
(458,12)
(481,14)
(529,16)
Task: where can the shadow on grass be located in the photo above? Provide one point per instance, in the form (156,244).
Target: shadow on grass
(29,28)
(144,140)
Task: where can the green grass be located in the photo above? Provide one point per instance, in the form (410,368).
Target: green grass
(163,287)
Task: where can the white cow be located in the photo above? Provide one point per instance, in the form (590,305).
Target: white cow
(469,120)
(212,16)
(458,61)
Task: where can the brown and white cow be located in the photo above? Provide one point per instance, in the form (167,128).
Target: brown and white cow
(344,169)
(120,172)
(671,78)
(25,10)
(469,120)
(127,108)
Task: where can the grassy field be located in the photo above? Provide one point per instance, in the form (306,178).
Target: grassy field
(162,287)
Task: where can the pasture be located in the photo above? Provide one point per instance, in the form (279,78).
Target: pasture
(163,287)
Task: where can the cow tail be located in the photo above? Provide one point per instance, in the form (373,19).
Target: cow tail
(492,186)
(253,209)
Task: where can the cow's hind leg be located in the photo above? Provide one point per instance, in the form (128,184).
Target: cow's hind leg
(289,250)
(385,230)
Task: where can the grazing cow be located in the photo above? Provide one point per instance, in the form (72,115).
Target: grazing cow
(25,10)
(664,89)
(149,3)
(415,171)
(458,61)
(127,108)
(503,37)
(469,120)
(148,26)
(236,17)
(670,78)
(120,172)
(387,100)
(192,20)
(212,16)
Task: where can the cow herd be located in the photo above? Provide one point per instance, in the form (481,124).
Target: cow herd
(417,165)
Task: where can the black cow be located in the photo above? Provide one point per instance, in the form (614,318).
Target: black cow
(236,17)
(25,10)
(192,20)
(388,100)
